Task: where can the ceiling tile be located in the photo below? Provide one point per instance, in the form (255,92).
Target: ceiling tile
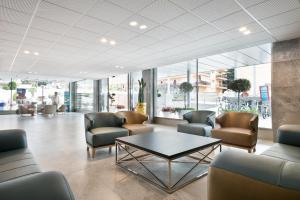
(202,31)
(12,28)
(11,36)
(185,22)
(282,19)
(179,39)
(34,33)
(247,3)
(235,20)
(109,12)
(73,42)
(14,16)
(253,27)
(190,4)
(143,40)
(26,6)
(48,25)
(287,32)
(36,42)
(76,5)
(120,34)
(94,25)
(83,35)
(161,11)
(161,33)
(273,7)
(57,13)
(133,5)
(216,9)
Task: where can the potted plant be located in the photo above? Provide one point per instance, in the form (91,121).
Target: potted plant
(141,105)
(239,85)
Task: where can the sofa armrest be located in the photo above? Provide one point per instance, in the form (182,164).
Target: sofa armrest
(289,134)
(211,120)
(45,186)
(253,124)
(12,139)
(88,123)
(237,175)
(220,119)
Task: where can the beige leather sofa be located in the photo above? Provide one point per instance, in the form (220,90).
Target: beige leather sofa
(135,122)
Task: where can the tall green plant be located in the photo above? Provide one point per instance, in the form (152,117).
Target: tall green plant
(141,96)
(239,85)
(185,88)
(10,86)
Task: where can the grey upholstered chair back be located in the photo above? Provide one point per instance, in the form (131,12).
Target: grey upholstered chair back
(102,119)
(200,116)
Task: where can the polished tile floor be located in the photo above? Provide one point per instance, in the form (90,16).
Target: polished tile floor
(58,143)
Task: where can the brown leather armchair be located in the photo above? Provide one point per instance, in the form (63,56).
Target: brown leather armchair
(135,122)
(237,129)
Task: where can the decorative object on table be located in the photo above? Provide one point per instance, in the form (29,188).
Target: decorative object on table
(141,105)
(120,107)
(237,129)
(168,109)
(239,86)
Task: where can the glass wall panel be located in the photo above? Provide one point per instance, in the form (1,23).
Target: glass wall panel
(84,96)
(135,76)
(103,96)
(169,98)
(118,93)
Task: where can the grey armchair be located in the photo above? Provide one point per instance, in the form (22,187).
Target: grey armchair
(199,123)
(101,130)
(20,176)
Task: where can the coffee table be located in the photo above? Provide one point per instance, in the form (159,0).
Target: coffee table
(168,160)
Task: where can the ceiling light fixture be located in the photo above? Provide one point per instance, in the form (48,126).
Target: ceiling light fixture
(112,42)
(142,27)
(36,53)
(247,32)
(29,72)
(133,23)
(242,29)
(26,52)
(103,40)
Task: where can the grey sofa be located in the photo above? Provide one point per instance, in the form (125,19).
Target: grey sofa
(199,123)
(101,130)
(20,176)
(275,174)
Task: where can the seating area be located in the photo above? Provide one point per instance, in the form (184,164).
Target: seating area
(149,100)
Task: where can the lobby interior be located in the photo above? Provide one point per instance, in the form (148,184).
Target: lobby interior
(149,99)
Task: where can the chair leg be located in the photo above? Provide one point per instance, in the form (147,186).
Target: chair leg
(249,150)
(109,149)
(87,148)
(254,149)
(93,152)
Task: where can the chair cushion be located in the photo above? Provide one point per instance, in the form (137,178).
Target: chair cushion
(285,152)
(17,163)
(105,135)
(235,136)
(195,129)
(135,129)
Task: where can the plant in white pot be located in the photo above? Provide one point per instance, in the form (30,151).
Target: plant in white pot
(142,105)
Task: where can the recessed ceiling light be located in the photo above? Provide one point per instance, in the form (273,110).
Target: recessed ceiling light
(112,42)
(242,29)
(117,66)
(103,40)
(26,52)
(36,53)
(143,27)
(35,72)
(133,23)
(29,72)
(247,32)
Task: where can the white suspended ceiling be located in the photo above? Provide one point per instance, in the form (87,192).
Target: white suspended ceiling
(67,33)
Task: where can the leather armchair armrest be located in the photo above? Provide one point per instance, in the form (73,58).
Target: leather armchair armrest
(45,186)
(253,124)
(12,139)
(220,119)
(289,134)
(88,123)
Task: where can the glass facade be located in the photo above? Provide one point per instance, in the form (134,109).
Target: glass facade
(84,96)
(118,93)
(134,85)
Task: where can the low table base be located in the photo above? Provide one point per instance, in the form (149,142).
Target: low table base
(168,175)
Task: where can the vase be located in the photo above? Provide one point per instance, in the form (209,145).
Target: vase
(141,108)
